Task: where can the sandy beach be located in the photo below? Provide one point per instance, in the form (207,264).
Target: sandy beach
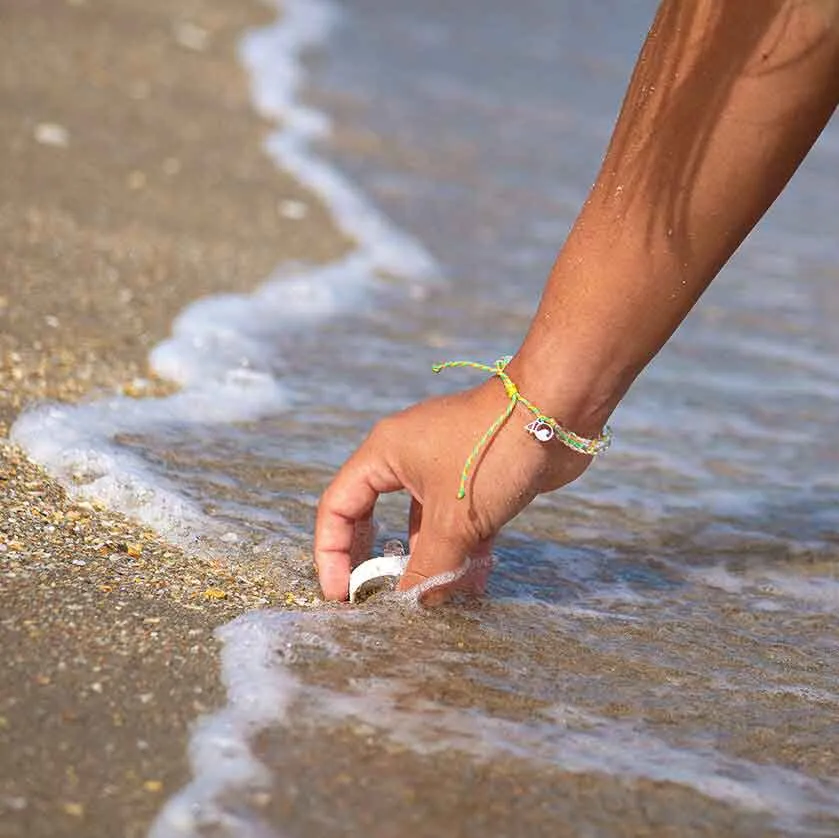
(650,632)
(133,183)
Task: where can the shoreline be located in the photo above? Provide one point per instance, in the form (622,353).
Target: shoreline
(136,182)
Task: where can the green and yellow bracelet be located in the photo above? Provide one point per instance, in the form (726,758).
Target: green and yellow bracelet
(543,427)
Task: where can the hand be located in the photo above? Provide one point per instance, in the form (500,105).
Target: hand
(423,450)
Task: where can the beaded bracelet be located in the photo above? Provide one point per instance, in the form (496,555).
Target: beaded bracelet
(543,427)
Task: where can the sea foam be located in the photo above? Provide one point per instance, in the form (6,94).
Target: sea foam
(222,351)
(258,662)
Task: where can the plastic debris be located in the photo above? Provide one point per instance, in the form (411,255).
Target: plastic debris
(378,573)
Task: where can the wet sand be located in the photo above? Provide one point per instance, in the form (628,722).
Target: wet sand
(133,182)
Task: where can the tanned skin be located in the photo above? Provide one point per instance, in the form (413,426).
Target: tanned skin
(725,101)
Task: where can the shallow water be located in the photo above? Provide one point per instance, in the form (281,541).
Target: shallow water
(660,643)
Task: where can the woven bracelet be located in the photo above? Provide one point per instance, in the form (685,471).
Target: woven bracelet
(543,427)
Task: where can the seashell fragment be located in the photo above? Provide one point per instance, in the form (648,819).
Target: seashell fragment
(378,573)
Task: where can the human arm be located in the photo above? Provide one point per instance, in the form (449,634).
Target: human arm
(725,101)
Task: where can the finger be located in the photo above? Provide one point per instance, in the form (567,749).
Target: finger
(349,499)
(434,555)
(364,534)
(414,524)
(444,563)
(480,566)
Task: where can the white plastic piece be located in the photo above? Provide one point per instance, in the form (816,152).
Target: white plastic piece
(374,573)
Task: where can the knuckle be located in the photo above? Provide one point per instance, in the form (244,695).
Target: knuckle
(328,498)
(385,430)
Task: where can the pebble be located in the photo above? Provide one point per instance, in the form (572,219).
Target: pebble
(52,134)
(136,179)
(139,90)
(292,210)
(191,36)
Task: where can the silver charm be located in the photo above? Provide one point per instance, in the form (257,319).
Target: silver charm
(541,430)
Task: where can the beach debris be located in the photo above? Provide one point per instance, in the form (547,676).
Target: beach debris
(153,785)
(379,573)
(136,179)
(74,809)
(292,210)
(302,600)
(136,388)
(139,90)
(214,593)
(52,134)
(191,36)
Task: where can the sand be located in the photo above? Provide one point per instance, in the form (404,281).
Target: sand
(133,182)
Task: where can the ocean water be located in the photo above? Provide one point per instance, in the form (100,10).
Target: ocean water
(659,647)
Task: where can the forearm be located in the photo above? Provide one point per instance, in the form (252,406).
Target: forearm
(725,101)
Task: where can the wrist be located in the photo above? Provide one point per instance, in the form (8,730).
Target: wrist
(579,392)
(610,303)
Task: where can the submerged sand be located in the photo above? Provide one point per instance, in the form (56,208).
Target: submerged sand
(133,182)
